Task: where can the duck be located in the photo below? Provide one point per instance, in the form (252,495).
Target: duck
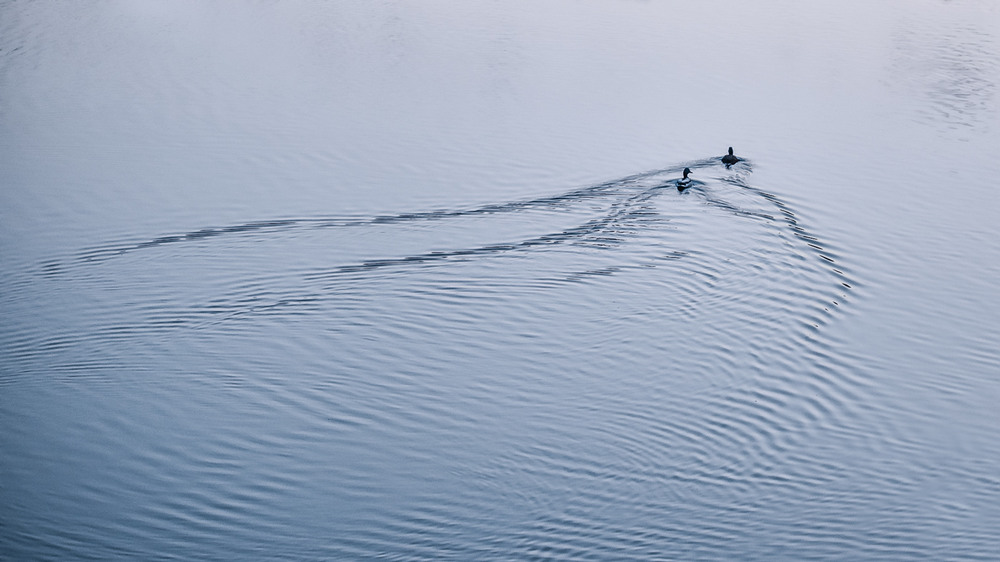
(684,182)
(729,159)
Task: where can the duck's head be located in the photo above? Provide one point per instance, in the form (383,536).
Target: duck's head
(730,151)
(686,172)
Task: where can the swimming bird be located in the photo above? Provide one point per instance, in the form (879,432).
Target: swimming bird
(684,182)
(729,159)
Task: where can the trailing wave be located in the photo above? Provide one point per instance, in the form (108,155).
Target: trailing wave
(630,210)
(102,253)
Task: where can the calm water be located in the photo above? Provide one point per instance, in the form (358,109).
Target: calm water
(413,280)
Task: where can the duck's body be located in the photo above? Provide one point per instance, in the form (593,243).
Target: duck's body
(684,182)
(730,159)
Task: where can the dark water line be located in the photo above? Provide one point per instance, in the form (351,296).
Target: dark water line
(608,231)
(102,253)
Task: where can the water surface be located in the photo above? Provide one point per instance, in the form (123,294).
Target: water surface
(414,281)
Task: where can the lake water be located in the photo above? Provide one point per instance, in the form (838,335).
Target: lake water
(413,280)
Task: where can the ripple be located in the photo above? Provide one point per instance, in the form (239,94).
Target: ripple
(588,358)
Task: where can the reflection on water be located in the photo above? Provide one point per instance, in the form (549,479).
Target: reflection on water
(349,281)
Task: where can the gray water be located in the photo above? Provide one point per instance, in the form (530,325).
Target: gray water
(414,281)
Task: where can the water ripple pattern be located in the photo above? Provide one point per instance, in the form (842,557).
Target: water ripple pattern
(545,378)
